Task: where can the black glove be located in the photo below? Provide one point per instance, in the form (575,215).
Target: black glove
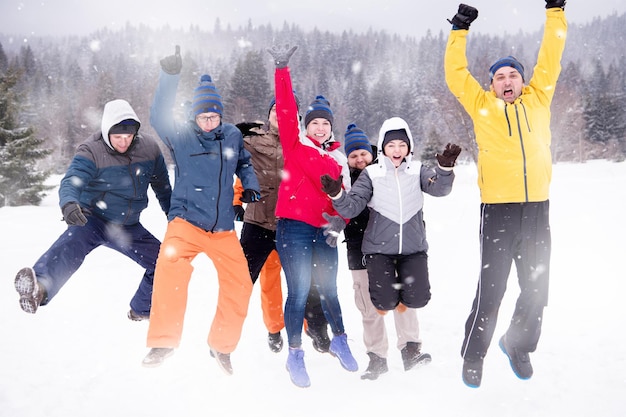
(330,186)
(239,212)
(464,17)
(172,64)
(331,230)
(448,158)
(558,3)
(250,196)
(281,55)
(73,215)
(246,128)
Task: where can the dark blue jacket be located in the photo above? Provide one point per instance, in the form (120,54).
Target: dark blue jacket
(114,186)
(206,163)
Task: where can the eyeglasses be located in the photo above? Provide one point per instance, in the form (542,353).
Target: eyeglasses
(205,119)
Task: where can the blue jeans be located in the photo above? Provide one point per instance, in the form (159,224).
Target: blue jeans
(66,255)
(307,259)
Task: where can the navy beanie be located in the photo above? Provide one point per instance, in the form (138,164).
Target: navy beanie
(356,139)
(509,61)
(397,134)
(206,98)
(273,102)
(125,127)
(319,108)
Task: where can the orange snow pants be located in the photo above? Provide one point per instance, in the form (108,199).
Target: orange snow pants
(182,242)
(272,294)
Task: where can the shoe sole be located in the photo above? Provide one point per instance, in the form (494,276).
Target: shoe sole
(154,364)
(25,283)
(422,360)
(344,364)
(305,385)
(136,317)
(501,344)
(227,371)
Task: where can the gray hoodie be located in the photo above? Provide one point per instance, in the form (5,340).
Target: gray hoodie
(395,198)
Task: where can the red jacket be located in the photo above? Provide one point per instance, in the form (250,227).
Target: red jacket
(300,196)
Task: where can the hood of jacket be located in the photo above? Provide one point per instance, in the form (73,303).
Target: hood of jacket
(114,112)
(395,123)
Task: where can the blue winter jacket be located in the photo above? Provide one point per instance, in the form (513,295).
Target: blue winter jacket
(206,163)
(111,185)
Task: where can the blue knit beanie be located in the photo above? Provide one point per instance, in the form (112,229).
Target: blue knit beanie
(206,98)
(319,108)
(509,61)
(356,139)
(273,101)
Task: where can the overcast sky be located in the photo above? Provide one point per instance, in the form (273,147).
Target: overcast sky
(81,17)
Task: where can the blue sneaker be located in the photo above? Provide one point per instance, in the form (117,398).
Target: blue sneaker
(339,348)
(296,369)
(519,360)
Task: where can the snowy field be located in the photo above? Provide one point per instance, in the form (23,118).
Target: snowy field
(81,356)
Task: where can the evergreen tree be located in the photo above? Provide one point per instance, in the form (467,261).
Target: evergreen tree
(249,94)
(21,182)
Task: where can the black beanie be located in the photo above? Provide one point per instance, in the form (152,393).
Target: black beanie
(398,134)
(125,127)
(319,108)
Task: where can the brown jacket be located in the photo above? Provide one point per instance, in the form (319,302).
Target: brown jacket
(267,160)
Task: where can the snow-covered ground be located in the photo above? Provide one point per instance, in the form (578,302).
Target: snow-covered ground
(81,356)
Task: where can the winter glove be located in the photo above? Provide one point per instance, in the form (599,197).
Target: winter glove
(448,158)
(464,17)
(331,230)
(281,55)
(250,196)
(239,212)
(172,64)
(73,215)
(557,3)
(246,128)
(330,186)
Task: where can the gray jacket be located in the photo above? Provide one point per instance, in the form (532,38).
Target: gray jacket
(395,198)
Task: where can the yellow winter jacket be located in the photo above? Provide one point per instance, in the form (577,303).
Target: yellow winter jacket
(514,159)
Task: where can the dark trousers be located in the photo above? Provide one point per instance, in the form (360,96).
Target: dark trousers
(257,243)
(520,233)
(66,255)
(395,279)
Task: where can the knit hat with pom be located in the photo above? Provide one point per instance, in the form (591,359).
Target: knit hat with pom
(206,98)
(356,139)
(319,108)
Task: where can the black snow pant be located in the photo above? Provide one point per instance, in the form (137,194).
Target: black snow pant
(395,279)
(257,243)
(511,232)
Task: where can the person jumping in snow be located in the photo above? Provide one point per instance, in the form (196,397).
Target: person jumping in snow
(102,194)
(393,246)
(512,128)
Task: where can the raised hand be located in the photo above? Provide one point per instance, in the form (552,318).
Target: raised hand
(172,64)
(281,55)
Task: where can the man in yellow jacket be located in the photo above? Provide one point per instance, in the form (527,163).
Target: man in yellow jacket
(512,128)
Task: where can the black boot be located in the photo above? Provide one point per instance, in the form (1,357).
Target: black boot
(321,341)
(376,367)
(411,355)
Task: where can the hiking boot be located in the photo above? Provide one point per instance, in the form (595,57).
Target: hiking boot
(472,373)
(412,356)
(30,291)
(376,367)
(295,367)
(223,361)
(340,349)
(519,360)
(132,315)
(321,341)
(275,342)
(156,356)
